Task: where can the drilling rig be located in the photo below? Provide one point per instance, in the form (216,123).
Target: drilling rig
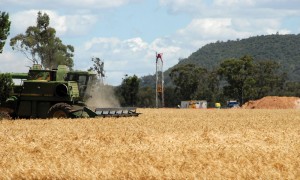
(159,81)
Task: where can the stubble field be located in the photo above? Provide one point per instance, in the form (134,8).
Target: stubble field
(159,144)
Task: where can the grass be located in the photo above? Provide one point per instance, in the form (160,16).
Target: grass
(159,144)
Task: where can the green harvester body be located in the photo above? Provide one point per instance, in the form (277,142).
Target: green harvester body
(57,93)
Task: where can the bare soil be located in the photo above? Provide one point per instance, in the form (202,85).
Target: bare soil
(274,102)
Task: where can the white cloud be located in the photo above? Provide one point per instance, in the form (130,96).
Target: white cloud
(228,3)
(183,5)
(78,4)
(210,29)
(73,25)
(12,62)
(234,8)
(204,30)
(100,4)
(115,46)
(21,20)
(198,5)
(207,27)
(131,56)
(135,44)
(69,25)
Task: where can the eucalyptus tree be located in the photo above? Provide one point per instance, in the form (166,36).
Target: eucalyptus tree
(189,80)
(240,76)
(40,45)
(128,90)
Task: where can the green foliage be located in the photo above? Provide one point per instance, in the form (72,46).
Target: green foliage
(171,97)
(213,92)
(187,79)
(6,86)
(98,66)
(248,80)
(146,97)
(239,74)
(283,49)
(242,79)
(40,44)
(193,82)
(128,90)
(292,89)
(148,81)
(269,81)
(4,29)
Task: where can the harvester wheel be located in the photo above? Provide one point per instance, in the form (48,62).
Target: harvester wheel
(59,110)
(4,115)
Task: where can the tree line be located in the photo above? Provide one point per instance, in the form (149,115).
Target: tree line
(240,79)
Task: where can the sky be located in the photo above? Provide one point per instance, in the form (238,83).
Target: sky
(126,34)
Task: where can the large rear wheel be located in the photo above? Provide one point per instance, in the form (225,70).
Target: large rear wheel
(60,110)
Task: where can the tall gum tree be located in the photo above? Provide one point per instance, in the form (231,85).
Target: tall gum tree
(128,90)
(40,45)
(188,79)
(239,74)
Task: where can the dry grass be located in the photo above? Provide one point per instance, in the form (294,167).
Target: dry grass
(160,144)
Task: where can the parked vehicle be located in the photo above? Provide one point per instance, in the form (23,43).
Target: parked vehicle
(233,104)
(194,104)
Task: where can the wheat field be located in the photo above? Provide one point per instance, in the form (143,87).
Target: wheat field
(159,144)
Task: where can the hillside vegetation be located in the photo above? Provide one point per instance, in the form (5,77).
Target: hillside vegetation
(247,69)
(283,49)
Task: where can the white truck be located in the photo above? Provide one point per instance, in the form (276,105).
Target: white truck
(194,104)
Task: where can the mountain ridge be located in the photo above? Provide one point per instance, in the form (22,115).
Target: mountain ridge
(283,49)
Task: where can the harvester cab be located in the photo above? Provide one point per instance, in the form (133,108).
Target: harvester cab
(84,80)
(57,93)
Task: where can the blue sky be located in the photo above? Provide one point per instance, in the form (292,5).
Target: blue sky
(125,34)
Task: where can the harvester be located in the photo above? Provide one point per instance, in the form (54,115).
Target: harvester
(57,93)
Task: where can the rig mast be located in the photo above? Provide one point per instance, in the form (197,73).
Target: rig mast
(159,81)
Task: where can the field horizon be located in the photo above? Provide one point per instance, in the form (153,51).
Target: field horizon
(159,144)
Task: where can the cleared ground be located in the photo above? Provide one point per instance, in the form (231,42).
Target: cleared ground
(159,144)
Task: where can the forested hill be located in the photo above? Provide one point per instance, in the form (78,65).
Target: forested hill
(284,49)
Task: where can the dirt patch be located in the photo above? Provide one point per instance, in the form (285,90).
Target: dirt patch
(274,102)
